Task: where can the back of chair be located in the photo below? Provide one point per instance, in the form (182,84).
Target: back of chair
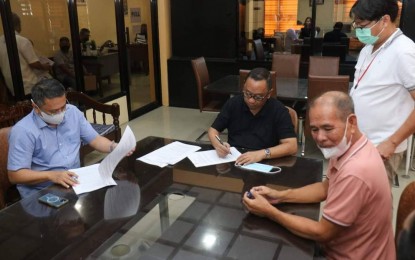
(294,118)
(334,50)
(405,207)
(243,74)
(202,79)
(4,178)
(286,65)
(317,85)
(259,49)
(9,115)
(323,66)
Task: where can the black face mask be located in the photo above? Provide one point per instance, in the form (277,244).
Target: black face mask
(65,49)
(406,250)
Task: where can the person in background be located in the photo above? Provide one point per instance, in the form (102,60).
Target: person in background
(84,35)
(45,144)
(290,38)
(64,66)
(384,81)
(28,60)
(306,30)
(255,121)
(335,35)
(357,218)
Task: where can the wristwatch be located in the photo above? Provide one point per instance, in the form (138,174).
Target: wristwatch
(267,153)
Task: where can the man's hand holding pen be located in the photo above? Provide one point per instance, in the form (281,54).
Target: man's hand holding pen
(223,149)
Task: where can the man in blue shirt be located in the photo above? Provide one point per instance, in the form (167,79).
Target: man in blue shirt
(45,144)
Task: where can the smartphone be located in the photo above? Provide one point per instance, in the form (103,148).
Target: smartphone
(53,200)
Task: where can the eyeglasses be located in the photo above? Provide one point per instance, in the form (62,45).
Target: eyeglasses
(258,98)
(53,112)
(355,26)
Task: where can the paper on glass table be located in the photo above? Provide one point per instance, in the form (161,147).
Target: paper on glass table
(169,154)
(210,157)
(96,176)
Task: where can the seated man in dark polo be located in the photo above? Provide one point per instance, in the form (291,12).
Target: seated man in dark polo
(255,121)
(357,215)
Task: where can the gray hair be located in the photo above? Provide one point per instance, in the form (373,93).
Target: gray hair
(340,100)
(47,88)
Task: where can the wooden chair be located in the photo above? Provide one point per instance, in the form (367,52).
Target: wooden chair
(5,184)
(317,85)
(207,101)
(405,207)
(244,73)
(324,66)
(90,107)
(9,115)
(286,65)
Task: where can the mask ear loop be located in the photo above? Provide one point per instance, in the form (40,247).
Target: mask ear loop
(277,170)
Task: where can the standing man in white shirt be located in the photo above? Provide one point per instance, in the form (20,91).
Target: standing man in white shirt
(384,82)
(28,59)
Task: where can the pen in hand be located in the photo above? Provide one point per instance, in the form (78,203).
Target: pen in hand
(220,141)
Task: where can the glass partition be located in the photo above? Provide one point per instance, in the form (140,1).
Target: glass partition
(99,47)
(138,24)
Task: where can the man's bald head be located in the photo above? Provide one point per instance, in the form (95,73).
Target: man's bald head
(340,100)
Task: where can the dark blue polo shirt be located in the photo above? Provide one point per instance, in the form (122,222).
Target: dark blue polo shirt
(263,130)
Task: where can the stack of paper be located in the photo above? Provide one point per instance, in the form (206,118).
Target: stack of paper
(169,154)
(96,176)
(210,157)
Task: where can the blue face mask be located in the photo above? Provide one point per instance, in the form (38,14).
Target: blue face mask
(365,35)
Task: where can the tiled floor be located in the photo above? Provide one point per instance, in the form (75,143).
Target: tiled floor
(189,124)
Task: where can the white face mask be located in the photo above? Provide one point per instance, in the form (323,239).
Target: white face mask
(54,119)
(338,150)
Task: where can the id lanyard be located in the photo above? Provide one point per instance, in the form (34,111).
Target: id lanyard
(367,68)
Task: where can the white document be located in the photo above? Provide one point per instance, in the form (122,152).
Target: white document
(169,154)
(210,157)
(44,60)
(96,176)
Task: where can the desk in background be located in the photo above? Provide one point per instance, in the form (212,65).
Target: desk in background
(177,212)
(102,66)
(287,88)
(138,54)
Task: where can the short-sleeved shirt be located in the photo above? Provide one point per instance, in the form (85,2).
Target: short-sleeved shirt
(263,130)
(359,199)
(382,98)
(62,58)
(27,56)
(35,145)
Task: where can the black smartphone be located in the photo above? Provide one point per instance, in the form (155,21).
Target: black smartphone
(53,200)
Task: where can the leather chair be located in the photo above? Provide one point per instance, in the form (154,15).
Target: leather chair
(334,50)
(317,85)
(9,115)
(207,101)
(5,184)
(405,207)
(259,50)
(244,73)
(323,66)
(286,65)
(90,107)
(294,118)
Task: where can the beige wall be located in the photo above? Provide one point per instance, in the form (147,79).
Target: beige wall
(165,46)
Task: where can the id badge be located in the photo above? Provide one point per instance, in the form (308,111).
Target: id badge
(260,167)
